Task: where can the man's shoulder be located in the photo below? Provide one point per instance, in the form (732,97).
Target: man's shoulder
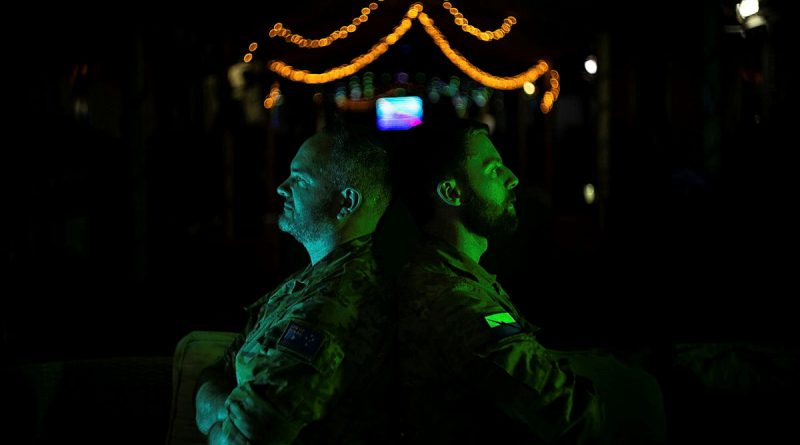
(427,270)
(349,282)
(354,261)
(455,313)
(434,278)
(331,307)
(444,296)
(341,294)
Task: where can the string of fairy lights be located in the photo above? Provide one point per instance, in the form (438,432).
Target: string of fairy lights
(278,30)
(463,22)
(524,79)
(489,80)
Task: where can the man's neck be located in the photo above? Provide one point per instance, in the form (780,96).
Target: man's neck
(320,248)
(468,243)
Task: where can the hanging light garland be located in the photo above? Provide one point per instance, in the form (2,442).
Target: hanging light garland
(356,64)
(278,30)
(490,80)
(485,36)
(377,50)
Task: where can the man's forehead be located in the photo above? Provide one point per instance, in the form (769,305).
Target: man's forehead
(302,163)
(314,151)
(480,149)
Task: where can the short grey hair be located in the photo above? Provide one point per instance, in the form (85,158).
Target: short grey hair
(358,159)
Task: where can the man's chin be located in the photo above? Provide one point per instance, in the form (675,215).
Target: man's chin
(505,228)
(289,230)
(284,225)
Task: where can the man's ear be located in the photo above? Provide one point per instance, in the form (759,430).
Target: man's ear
(351,201)
(449,192)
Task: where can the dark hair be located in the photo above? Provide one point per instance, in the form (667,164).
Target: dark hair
(358,159)
(437,150)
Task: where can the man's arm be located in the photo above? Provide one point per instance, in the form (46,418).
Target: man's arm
(287,388)
(210,403)
(497,356)
(574,396)
(214,385)
(288,369)
(291,373)
(529,385)
(226,433)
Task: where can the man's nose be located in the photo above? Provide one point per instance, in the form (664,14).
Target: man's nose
(513,181)
(283,190)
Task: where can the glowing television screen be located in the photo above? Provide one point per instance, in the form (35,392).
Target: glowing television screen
(399,113)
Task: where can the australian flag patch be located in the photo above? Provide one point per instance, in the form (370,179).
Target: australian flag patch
(301,340)
(502,325)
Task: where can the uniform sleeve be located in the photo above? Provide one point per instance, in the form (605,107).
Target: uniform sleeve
(499,358)
(289,374)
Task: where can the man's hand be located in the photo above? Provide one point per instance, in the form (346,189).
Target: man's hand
(226,433)
(248,412)
(210,405)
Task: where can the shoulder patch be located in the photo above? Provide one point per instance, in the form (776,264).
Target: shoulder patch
(502,325)
(301,340)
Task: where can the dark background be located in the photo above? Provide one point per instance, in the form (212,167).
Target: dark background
(139,183)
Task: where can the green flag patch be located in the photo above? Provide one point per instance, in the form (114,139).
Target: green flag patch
(502,325)
(495,320)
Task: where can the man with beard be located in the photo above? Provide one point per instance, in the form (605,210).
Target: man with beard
(472,369)
(309,365)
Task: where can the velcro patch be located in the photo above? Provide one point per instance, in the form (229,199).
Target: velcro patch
(502,325)
(301,340)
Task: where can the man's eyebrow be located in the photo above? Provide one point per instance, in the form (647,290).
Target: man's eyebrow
(492,160)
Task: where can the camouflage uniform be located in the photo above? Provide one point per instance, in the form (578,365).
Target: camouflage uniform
(310,358)
(472,369)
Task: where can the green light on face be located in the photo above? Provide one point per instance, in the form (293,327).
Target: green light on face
(502,318)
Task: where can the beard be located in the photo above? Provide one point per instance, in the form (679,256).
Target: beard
(308,226)
(488,219)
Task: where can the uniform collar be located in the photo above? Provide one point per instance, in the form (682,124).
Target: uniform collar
(457,260)
(338,255)
(328,265)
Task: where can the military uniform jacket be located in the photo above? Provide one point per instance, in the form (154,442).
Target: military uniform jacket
(318,337)
(472,369)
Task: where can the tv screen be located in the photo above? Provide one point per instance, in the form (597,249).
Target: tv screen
(399,113)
